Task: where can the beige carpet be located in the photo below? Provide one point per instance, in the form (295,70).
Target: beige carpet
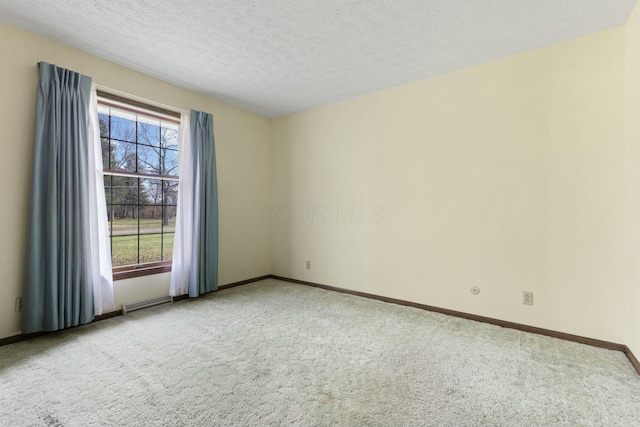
(273,353)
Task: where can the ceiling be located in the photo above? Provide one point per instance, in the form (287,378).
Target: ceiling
(276,57)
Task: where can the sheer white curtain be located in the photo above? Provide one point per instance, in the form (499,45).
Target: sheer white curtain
(183,242)
(100,256)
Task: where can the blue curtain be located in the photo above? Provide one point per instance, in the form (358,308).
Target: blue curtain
(57,289)
(203,275)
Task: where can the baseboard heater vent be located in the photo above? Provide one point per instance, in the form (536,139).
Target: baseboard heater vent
(133,306)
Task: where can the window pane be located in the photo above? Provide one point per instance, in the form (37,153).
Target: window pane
(169,218)
(150,247)
(123,156)
(103,122)
(123,129)
(170,138)
(106,148)
(150,225)
(148,134)
(169,162)
(107,189)
(170,192)
(109,218)
(115,156)
(124,220)
(148,160)
(124,250)
(151,192)
(124,190)
(167,246)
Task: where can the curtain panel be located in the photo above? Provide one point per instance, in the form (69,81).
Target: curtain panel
(195,259)
(61,244)
(100,245)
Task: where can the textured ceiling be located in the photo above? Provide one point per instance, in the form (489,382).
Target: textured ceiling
(276,57)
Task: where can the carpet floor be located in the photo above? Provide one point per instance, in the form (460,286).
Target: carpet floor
(274,353)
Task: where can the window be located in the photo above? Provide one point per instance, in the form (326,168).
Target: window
(140,158)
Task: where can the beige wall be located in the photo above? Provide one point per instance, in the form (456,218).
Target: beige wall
(508,176)
(242,149)
(633,178)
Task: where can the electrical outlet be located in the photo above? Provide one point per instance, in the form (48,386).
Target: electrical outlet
(527,298)
(18,304)
(308,265)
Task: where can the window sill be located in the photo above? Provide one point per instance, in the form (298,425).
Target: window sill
(129,272)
